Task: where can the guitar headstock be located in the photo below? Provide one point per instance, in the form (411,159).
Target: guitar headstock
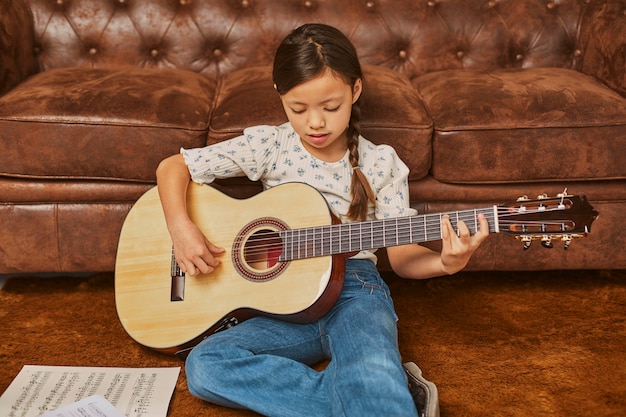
(562,217)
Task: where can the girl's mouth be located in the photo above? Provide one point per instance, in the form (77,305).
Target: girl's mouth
(318,138)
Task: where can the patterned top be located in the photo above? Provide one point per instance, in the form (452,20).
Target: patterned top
(275,155)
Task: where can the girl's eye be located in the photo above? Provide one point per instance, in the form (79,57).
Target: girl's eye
(297,111)
(334,109)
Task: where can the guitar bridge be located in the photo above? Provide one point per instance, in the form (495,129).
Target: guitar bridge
(178,288)
(177,291)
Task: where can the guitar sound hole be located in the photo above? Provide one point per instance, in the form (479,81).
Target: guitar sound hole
(262,249)
(257,249)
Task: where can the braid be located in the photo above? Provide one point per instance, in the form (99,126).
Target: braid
(362,193)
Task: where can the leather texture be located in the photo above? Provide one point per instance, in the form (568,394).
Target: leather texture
(485,100)
(98,123)
(17,39)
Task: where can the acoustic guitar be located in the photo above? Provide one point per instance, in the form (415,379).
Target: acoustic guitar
(285,255)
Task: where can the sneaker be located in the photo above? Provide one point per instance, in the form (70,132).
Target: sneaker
(424,392)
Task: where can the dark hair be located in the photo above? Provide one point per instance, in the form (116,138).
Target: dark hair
(303,55)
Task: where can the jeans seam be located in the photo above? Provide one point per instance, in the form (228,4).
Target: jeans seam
(366,284)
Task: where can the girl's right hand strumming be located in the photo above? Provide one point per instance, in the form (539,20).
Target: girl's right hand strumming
(193,251)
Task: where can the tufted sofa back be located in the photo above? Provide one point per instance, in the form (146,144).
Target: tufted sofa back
(216,37)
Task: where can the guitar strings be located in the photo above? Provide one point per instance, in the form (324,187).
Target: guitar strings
(433,223)
(427,225)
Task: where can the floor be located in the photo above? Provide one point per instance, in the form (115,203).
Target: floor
(5,277)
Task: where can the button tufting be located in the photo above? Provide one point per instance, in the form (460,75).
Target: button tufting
(183,2)
(217,52)
(370,4)
(308,4)
(460,54)
(245,4)
(578,52)
(60,2)
(519,57)
(154,53)
(432,3)
(93,51)
(551,5)
(492,4)
(403,54)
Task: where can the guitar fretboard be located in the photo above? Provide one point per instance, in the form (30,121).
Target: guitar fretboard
(334,239)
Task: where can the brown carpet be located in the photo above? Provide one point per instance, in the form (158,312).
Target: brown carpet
(496,344)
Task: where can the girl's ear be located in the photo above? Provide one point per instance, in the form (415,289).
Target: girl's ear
(357,90)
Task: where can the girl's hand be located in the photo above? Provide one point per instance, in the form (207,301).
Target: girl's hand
(457,249)
(193,252)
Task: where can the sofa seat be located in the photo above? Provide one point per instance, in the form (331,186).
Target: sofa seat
(536,124)
(112,124)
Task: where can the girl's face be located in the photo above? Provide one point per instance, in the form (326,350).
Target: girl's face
(319,110)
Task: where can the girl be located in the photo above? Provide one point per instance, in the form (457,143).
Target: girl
(264,364)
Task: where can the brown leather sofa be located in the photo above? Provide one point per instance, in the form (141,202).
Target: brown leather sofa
(486,100)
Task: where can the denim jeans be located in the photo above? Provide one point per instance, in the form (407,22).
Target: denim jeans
(263,364)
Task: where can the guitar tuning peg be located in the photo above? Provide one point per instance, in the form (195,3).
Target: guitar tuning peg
(562,196)
(567,240)
(546,242)
(542,196)
(523,198)
(526,241)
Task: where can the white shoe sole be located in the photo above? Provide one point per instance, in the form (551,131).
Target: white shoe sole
(414,373)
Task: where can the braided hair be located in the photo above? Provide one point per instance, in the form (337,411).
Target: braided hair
(303,55)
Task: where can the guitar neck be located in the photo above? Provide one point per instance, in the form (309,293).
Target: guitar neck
(335,239)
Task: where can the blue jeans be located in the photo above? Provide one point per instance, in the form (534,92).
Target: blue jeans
(264,364)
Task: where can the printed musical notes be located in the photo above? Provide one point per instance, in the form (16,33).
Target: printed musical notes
(134,392)
(94,406)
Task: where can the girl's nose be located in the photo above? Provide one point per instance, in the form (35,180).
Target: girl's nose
(316,120)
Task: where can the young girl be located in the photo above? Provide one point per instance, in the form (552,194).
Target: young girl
(263,364)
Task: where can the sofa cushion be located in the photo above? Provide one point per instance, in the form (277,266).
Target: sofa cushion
(102,123)
(540,124)
(391,111)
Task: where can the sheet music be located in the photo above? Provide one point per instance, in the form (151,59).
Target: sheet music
(135,392)
(94,406)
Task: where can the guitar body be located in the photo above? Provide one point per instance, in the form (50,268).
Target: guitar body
(169,312)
